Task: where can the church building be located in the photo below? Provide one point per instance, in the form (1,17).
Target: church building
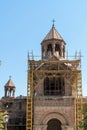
(54,90)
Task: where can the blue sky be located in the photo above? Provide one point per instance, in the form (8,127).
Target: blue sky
(25,23)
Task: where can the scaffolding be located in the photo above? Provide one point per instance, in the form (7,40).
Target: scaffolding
(30,89)
(70,69)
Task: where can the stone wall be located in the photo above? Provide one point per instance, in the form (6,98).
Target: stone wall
(50,108)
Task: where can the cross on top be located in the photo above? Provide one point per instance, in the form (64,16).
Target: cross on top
(10,77)
(53,22)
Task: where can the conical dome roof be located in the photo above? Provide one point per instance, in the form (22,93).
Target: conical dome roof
(53,34)
(9,89)
(9,84)
(53,45)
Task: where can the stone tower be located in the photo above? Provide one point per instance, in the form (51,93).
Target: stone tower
(9,89)
(54,89)
(53,45)
(9,95)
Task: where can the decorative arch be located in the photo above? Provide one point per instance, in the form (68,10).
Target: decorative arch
(55,115)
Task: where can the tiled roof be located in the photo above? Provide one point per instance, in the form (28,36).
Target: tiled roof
(9,84)
(53,34)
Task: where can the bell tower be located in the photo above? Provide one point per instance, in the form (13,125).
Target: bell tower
(54,87)
(53,45)
(9,89)
(9,94)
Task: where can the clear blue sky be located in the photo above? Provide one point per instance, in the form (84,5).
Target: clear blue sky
(24,24)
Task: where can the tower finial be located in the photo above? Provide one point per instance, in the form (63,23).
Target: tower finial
(10,77)
(53,22)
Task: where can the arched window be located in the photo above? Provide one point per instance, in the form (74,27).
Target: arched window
(49,50)
(49,47)
(54,86)
(57,48)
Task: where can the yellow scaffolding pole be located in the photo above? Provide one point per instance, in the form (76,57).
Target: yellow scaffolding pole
(79,104)
(29,107)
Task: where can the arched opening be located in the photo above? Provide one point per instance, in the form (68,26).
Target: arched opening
(54,124)
(43,52)
(54,86)
(57,48)
(49,50)
(49,47)
(63,51)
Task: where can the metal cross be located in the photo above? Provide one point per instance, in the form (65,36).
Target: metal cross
(53,22)
(10,77)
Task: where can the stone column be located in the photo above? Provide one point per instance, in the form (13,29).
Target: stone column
(53,47)
(61,51)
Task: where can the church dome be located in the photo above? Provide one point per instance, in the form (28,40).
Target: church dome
(53,45)
(9,84)
(53,34)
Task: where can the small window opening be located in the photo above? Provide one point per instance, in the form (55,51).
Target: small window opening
(49,48)
(57,48)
